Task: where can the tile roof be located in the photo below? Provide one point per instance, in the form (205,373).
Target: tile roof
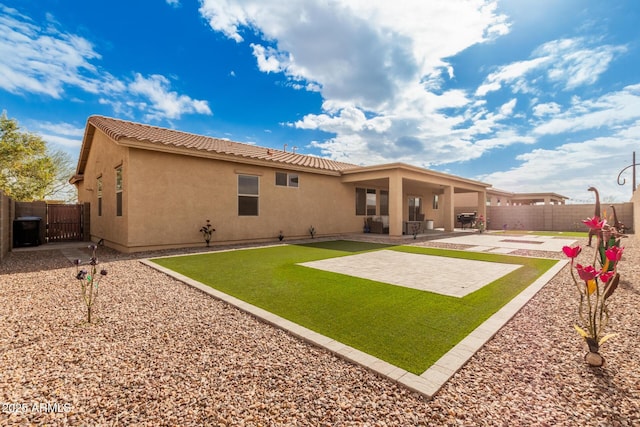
(121,129)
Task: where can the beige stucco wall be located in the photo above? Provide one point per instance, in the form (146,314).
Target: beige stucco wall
(104,157)
(171,196)
(167,197)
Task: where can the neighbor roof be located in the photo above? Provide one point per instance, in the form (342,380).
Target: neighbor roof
(156,138)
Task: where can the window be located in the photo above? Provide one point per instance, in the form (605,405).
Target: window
(384,202)
(365,201)
(414,208)
(435,201)
(284,179)
(119,191)
(371,201)
(248,186)
(99,191)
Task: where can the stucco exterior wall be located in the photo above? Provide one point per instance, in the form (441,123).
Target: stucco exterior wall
(104,157)
(168,197)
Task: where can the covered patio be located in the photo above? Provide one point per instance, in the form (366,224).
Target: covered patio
(407,195)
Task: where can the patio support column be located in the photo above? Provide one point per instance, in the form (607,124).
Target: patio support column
(482,205)
(449,212)
(395,204)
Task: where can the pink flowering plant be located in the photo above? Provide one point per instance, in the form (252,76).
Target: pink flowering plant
(595,283)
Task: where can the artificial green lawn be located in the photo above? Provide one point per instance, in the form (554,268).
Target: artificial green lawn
(405,327)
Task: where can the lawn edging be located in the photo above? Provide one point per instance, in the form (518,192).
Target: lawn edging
(426,384)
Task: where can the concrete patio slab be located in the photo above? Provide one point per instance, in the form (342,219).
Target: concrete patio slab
(416,271)
(530,242)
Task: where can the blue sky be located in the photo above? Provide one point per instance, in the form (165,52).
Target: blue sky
(528,96)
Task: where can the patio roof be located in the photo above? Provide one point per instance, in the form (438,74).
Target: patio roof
(379,174)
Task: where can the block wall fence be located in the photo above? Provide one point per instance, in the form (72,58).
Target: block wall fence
(6,224)
(553,217)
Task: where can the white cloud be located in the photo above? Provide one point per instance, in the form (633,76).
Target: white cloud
(164,102)
(610,110)
(508,74)
(43,60)
(269,59)
(545,109)
(568,63)
(612,119)
(64,135)
(571,168)
(357,51)
(173,3)
(575,62)
(48,61)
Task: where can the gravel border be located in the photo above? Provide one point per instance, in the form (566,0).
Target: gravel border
(165,354)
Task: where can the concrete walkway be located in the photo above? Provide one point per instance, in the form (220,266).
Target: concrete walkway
(430,381)
(70,250)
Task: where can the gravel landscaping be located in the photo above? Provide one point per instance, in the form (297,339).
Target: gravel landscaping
(163,353)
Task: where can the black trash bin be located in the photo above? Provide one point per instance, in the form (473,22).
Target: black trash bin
(26,231)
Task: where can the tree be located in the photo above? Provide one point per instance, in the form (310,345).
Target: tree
(29,170)
(61,189)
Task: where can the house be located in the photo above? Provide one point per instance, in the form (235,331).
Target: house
(153,188)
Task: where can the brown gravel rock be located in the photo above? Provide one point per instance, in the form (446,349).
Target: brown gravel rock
(162,353)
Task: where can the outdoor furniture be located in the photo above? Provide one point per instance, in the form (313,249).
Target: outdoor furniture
(466,218)
(377,225)
(411,226)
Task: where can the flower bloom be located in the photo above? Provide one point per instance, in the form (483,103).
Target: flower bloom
(594,223)
(605,276)
(614,253)
(571,252)
(586,273)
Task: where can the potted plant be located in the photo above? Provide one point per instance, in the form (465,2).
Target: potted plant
(595,284)
(480,224)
